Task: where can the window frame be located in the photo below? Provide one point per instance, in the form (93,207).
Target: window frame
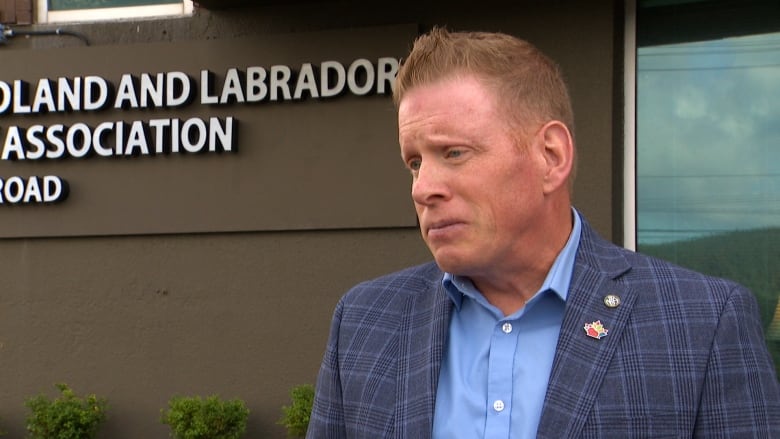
(629,127)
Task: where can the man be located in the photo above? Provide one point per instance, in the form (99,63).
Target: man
(528,324)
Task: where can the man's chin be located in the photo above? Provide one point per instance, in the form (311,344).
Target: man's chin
(451,263)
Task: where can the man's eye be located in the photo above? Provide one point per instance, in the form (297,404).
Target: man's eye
(454,153)
(414,165)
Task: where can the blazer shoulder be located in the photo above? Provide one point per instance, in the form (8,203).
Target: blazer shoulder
(663,272)
(654,279)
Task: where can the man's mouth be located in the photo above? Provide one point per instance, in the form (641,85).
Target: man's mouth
(442,226)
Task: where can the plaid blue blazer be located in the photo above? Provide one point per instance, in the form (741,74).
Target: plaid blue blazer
(685,356)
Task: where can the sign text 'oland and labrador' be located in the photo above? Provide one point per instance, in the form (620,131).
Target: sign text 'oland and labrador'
(156,136)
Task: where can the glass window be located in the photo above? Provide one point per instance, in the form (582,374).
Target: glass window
(50,11)
(708,158)
(61,5)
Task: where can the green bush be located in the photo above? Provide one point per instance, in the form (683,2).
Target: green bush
(296,416)
(65,417)
(210,418)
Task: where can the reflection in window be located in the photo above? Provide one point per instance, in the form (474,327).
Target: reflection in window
(708,162)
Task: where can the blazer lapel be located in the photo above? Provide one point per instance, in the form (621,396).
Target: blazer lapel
(581,360)
(422,340)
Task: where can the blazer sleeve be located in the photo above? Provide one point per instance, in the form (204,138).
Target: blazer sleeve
(740,395)
(327,416)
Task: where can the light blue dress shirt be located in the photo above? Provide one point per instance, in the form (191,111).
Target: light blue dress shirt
(495,369)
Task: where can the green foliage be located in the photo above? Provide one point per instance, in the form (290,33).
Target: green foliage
(65,417)
(210,418)
(296,416)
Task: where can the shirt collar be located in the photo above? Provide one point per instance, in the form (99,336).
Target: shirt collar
(558,278)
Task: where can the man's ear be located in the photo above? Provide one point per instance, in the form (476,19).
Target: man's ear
(558,154)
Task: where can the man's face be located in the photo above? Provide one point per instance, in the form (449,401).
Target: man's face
(477,192)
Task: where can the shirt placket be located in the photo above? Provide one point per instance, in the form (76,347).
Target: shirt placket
(503,344)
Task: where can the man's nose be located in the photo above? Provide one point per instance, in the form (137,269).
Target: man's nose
(429,184)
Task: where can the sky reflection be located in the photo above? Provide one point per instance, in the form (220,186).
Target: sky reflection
(708,137)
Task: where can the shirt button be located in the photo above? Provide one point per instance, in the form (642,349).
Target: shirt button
(498,405)
(507,328)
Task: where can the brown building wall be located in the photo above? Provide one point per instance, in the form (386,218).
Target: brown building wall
(245,314)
